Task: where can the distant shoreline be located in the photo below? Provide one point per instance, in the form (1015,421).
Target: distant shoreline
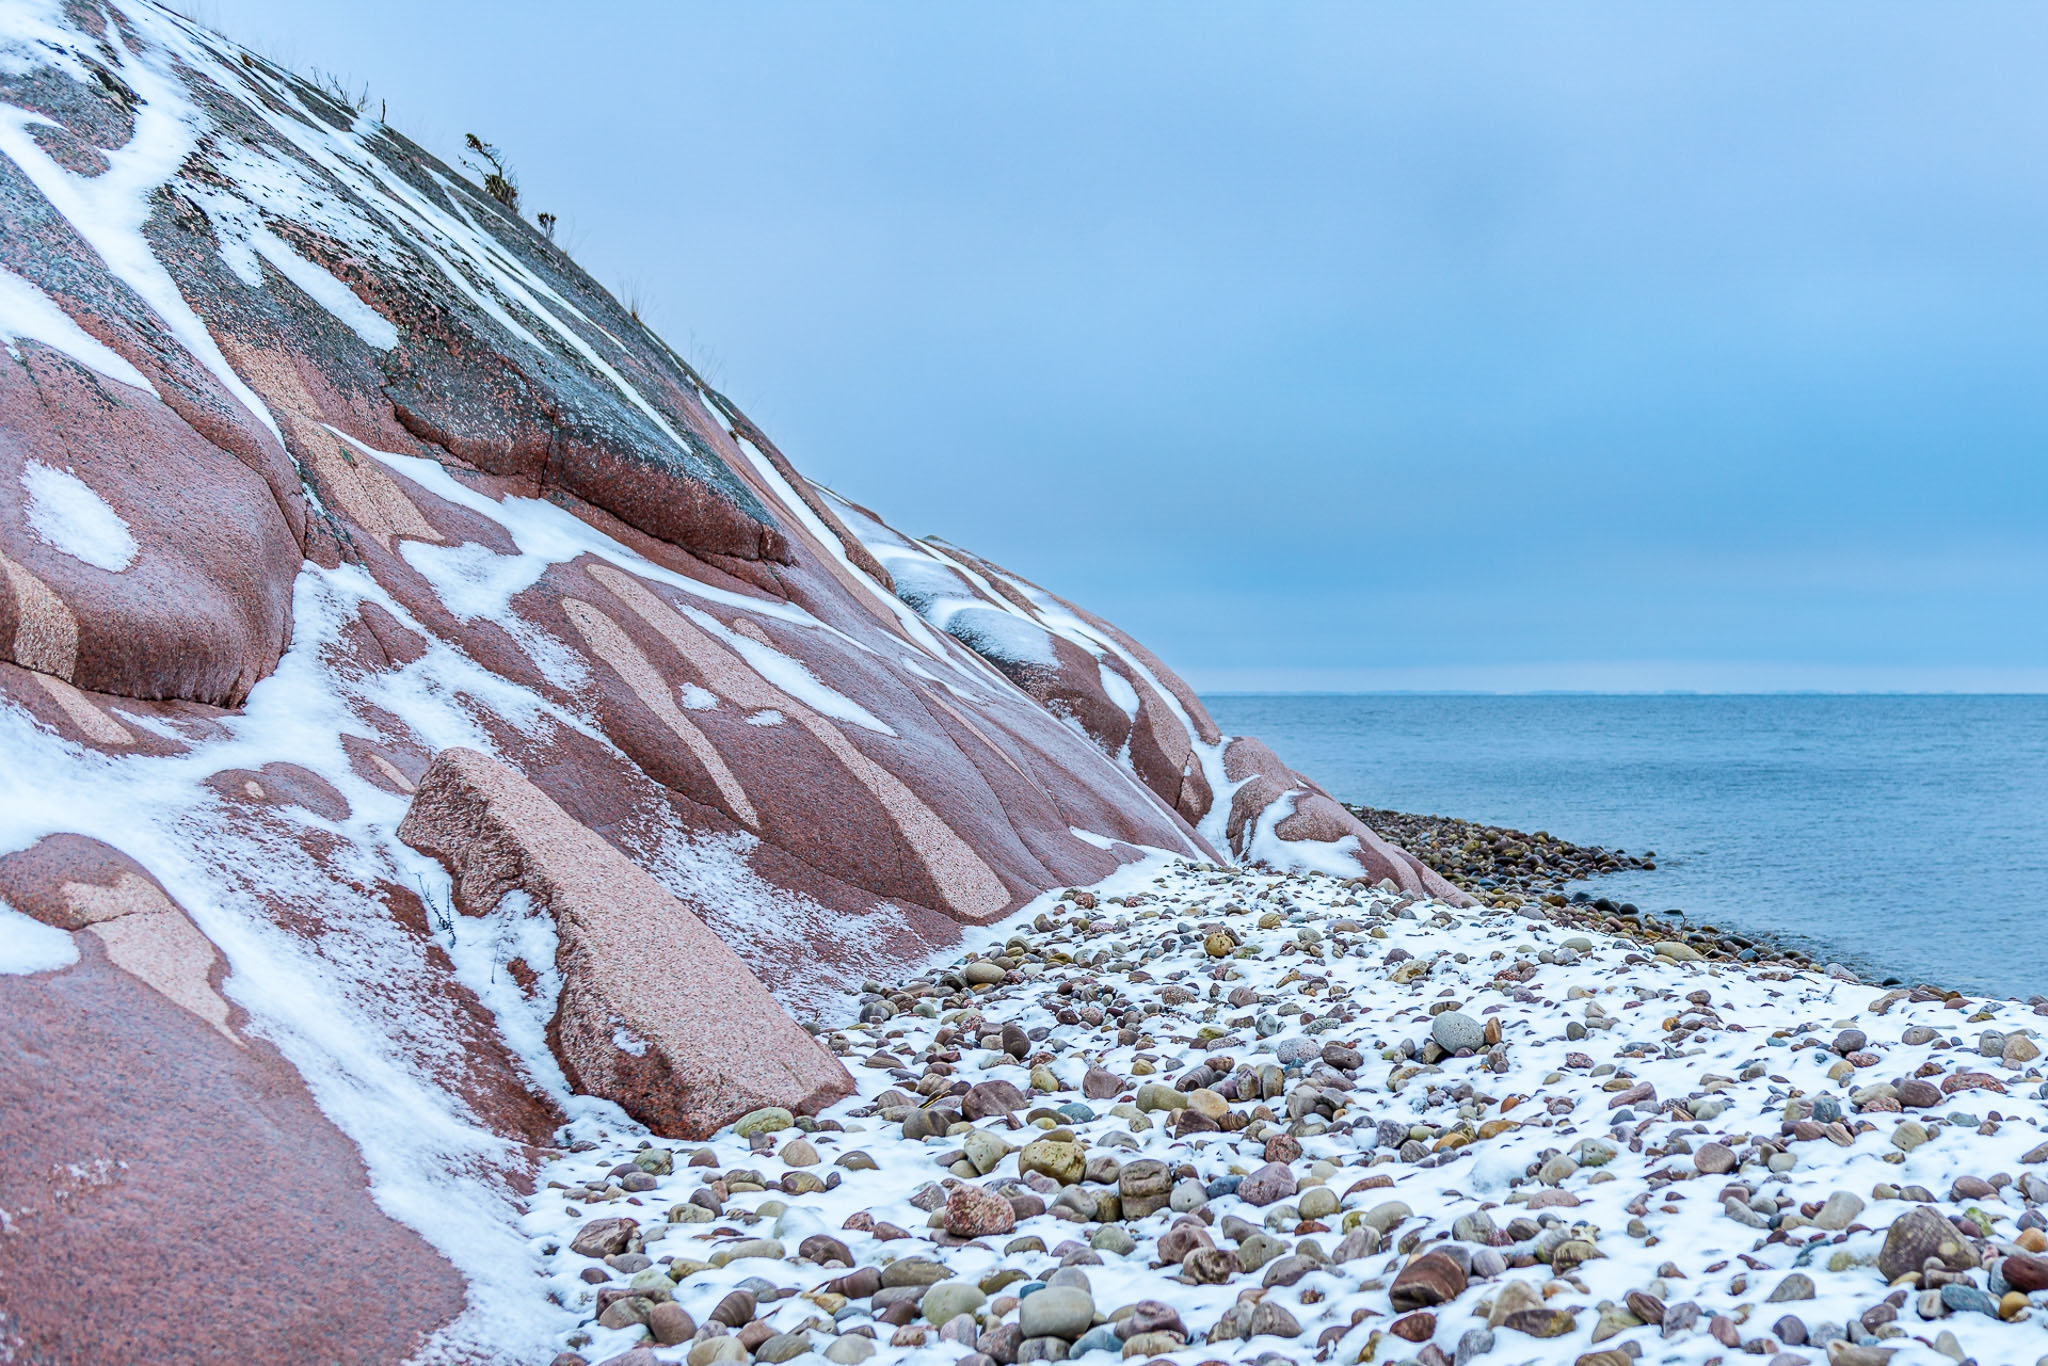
(1512,868)
(1809,822)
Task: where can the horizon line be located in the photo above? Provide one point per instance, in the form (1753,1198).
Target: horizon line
(1614,692)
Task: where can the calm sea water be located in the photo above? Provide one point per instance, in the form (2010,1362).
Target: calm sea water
(1904,836)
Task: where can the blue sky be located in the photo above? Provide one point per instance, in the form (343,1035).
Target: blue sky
(1343,346)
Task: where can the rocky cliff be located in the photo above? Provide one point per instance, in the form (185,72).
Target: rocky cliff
(427,707)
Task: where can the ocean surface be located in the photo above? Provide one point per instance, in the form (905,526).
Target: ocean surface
(1903,836)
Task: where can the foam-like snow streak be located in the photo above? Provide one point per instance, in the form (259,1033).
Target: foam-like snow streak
(108,210)
(28,314)
(373,1061)
(1263,846)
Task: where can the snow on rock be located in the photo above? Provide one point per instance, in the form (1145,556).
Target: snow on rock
(316,464)
(67,515)
(28,314)
(1113,690)
(142,1114)
(654,1012)
(28,945)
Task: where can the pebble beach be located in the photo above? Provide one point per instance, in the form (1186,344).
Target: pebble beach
(1196,1114)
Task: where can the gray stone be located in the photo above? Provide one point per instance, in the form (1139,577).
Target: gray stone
(1058,1311)
(1102,1339)
(947,1299)
(1797,1286)
(1476,1343)
(1112,1238)
(1964,1299)
(1839,1212)
(1454,1030)
(1270,1318)
(1258,1249)
(1385,1215)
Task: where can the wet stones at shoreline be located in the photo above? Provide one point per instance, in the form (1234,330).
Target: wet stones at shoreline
(1515,868)
(1367,1126)
(1493,858)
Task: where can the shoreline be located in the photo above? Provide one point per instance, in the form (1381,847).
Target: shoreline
(1479,858)
(1233,1116)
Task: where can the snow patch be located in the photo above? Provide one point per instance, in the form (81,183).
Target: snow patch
(374,1063)
(996,634)
(267,185)
(483,948)
(28,945)
(474,581)
(1119,689)
(1338,858)
(695,698)
(69,517)
(28,314)
(791,675)
(773,929)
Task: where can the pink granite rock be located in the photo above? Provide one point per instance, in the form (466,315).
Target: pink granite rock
(1268,1184)
(972,1212)
(142,1116)
(655,1013)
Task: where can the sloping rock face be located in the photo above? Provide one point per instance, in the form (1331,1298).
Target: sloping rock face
(654,1010)
(317,464)
(136,1112)
(1234,790)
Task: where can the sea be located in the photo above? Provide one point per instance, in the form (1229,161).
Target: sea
(1902,836)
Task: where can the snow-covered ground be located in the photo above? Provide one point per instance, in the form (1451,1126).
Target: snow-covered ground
(1626,1150)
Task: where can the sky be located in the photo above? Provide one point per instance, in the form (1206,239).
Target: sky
(1347,346)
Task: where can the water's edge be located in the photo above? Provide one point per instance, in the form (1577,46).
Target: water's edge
(1902,836)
